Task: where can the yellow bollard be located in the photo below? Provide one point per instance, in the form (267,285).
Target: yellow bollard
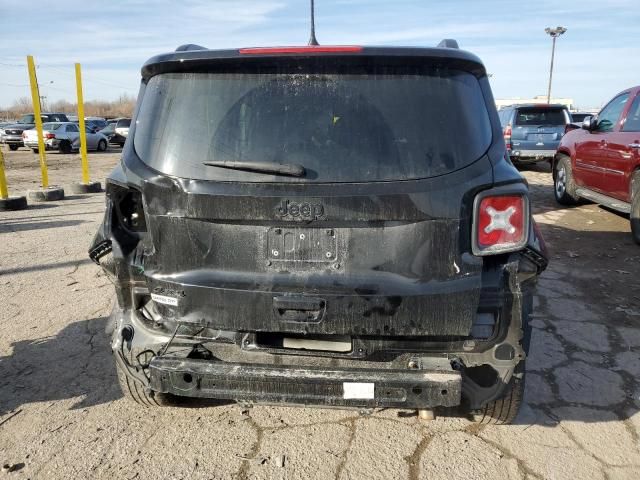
(46,193)
(4,191)
(7,202)
(35,98)
(85,186)
(83,132)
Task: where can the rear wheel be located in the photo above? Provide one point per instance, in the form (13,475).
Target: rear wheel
(102,145)
(65,147)
(133,389)
(13,147)
(35,150)
(635,207)
(504,409)
(564,187)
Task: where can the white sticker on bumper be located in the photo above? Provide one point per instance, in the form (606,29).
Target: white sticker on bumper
(359,391)
(164,299)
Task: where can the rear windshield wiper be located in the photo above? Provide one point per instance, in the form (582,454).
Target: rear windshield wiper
(291,169)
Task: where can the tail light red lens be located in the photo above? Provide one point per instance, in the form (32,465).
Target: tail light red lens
(501,224)
(49,136)
(507,136)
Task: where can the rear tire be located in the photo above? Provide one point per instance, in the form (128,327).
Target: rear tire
(102,146)
(65,147)
(635,207)
(503,410)
(133,389)
(564,186)
(35,150)
(13,148)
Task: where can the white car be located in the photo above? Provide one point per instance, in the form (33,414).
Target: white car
(122,127)
(65,137)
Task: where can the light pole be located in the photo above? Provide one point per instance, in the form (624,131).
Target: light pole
(555,33)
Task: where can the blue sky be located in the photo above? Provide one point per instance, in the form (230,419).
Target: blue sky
(595,59)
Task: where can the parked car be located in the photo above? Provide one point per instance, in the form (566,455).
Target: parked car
(532,132)
(65,137)
(12,136)
(601,161)
(3,125)
(95,124)
(13,133)
(29,119)
(122,127)
(110,132)
(578,117)
(337,227)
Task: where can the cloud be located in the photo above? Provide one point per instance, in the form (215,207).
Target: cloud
(113,39)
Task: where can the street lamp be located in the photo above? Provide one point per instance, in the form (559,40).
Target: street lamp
(555,33)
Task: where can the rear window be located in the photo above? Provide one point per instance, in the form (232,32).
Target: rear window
(123,123)
(51,126)
(541,116)
(28,119)
(387,125)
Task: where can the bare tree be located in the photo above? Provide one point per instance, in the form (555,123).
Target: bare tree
(121,107)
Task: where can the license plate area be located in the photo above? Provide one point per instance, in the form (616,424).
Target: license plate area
(316,245)
(541,137)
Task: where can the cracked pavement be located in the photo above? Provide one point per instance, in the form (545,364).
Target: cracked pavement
(62,414)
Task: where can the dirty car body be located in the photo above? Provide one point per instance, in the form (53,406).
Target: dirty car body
(296,226)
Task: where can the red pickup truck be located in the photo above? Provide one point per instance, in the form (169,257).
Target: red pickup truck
(601,161)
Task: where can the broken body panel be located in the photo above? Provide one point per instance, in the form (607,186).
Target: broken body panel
(336,293)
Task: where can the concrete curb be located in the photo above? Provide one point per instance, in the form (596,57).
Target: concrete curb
(13,203)
(81,188)
(48,194)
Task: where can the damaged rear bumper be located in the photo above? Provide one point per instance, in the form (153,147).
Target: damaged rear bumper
(365,388)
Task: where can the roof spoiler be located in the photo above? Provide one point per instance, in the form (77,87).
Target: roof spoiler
(189,47)
(448,43)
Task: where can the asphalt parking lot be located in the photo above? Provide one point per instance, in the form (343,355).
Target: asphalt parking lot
(62,414)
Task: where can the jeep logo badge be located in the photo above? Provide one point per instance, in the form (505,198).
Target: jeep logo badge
(301,211)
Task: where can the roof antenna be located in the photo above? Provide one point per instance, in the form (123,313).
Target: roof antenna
(312,38)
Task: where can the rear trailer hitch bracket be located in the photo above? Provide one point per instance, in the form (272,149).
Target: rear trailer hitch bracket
(100,250)
(537,259)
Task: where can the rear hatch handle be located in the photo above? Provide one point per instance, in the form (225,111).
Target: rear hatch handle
(297,308)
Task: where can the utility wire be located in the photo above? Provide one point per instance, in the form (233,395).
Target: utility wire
(88,77)
(14,84)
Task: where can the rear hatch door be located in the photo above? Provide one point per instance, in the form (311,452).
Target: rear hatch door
(373,239)
(539,127)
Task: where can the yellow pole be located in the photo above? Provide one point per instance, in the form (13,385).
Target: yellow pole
(35,98)
(4,191)
(83,132)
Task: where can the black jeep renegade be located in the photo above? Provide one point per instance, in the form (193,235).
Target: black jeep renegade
(332,226)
